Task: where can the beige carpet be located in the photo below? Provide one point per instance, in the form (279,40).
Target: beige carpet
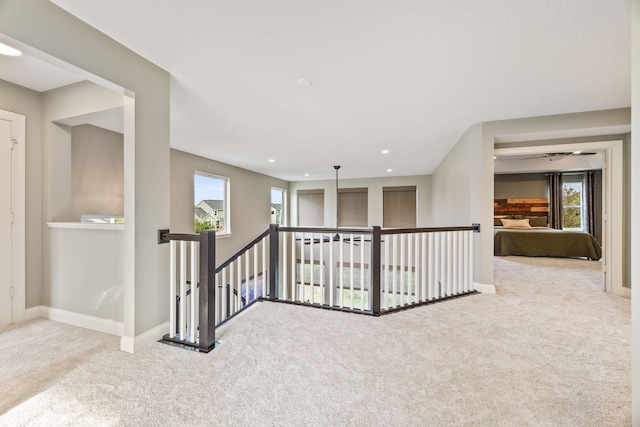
(550,349)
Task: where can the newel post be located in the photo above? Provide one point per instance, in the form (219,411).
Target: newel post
(274,260)
(376,243)
(207,301)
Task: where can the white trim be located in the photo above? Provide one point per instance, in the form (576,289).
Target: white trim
(76,319)
(18,235)
(86,226)
(626,292)
(32,313)
(484,288)
(145,339)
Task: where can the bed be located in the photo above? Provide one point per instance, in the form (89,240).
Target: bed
(544,241)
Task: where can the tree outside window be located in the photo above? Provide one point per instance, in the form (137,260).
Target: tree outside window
(211,203)
(572,205)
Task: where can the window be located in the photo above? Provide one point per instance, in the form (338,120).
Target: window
(353,207)
(399,207)
(311,208)
(278,197)
(211,203)
(572,210)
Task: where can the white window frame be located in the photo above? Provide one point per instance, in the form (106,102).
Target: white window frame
(226,199)
(581,206)
(283,217)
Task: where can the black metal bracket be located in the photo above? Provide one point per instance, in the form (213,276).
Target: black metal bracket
(476,228)
(162,236)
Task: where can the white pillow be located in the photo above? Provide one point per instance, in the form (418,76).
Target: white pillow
(516,223)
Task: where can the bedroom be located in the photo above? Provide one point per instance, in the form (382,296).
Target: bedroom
(590,190)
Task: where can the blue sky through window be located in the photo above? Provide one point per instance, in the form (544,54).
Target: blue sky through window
(207,188)
(276,196)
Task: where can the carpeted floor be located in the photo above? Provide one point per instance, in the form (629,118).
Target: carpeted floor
(550,349)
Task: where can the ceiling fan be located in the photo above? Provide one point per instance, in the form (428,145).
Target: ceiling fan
(558,156)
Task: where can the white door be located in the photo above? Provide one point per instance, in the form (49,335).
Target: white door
(5,222)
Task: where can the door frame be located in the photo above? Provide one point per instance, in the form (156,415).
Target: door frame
(18,193)
(612,200)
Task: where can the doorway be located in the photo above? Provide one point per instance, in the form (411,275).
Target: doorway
(12,229)
(612,206)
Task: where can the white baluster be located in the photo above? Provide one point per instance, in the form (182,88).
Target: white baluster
(183,290)
(351,269)
(311,260)
(341,272)
(363,277)
(285,268)
(402,269)
(194,286)
(265,275)
(172,288)
(395,270)
(332,300)
(322,285)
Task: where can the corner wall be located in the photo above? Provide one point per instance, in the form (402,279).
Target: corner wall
(462,183)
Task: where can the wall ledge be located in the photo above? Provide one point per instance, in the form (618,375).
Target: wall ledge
(85,226)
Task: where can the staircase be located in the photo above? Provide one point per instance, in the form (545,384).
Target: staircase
(366,271)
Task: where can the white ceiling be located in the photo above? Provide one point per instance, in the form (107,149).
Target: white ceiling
(33,73)
(401,75)
(535,162)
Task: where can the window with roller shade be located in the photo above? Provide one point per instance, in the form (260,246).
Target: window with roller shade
(311,208)
(353,207)
(399,207)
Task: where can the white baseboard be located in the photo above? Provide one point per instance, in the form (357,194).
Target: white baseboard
(32,313)
(131,345)
(76,319)
(484,288)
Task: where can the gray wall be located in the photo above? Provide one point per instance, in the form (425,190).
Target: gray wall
(45,30)
(520,186)
(29,103)
(375,186)
(97,172)
(57,166)
(461,183)
(250,197)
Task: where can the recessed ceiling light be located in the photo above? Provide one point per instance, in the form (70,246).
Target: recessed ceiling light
(385,151)
(494,157)
(271,160)
(304,82)
(389,170)
(8,50)
(306,174)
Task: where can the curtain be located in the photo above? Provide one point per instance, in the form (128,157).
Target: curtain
(590,203)
(555,199)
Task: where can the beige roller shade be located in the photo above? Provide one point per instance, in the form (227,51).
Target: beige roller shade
(399,207)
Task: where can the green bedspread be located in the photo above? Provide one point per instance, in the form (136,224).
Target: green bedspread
(547,242)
